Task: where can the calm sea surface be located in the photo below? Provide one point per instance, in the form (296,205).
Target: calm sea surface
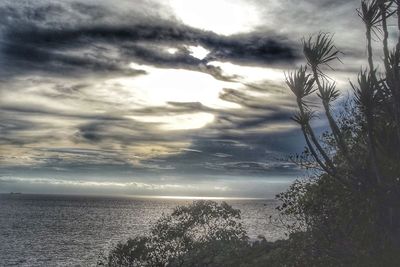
(59,230)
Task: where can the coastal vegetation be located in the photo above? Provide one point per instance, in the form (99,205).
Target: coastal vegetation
(204,233)
(348,209)
(346,212)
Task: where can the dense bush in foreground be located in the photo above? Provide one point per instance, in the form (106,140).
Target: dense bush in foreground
(204,233)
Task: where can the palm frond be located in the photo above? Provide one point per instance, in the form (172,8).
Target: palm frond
(303,118)
(391,85)
(328,92)
(394,60)
(370,13)
(320,50)
(300,83)
(366,91)
(387,6)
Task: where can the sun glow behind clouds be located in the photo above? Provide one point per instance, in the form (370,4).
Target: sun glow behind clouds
(172,50)
(161,86)
(178,122)
(198,52)
(223,16)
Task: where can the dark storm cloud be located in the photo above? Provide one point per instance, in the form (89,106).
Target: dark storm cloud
(42,111)
(240,155)
(30,42)
(123,131)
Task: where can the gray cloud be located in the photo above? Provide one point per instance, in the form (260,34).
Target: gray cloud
(64,113)
(32,43)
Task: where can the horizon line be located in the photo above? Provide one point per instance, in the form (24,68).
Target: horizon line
(142,196)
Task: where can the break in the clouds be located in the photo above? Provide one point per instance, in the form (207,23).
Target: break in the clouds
(156,97)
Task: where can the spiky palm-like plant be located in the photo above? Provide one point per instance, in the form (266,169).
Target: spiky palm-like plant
(384,9)
(397,2)
(371,15)
(329,93)
(302,85)
(365,207)
(319,50)
(303,119)
(392,87)
(366,99)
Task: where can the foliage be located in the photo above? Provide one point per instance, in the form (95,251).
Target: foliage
(204,233)
(348,212)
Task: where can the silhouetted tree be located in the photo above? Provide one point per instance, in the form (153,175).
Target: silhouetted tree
(349,210)
(204,233)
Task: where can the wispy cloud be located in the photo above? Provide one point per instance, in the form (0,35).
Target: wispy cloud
(112,87)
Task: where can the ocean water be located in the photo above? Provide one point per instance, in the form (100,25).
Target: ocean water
(61,230)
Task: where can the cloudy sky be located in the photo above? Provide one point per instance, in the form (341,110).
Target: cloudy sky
(178,97)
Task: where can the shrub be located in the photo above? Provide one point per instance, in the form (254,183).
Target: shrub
(204,233)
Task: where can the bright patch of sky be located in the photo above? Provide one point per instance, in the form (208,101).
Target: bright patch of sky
(172,50)
(161,86)
(178,122)
(224,17)
(249,73)
(198,51)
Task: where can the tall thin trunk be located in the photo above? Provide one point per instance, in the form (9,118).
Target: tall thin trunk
(396,74)
(315,140)
(398,24)
(313,152)
(329,171)
(383,9)
(369,117)
(332,123)
(369,49)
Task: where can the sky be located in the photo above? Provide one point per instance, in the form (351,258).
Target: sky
(177,97)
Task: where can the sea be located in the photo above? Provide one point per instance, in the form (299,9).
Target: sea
(71,230)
